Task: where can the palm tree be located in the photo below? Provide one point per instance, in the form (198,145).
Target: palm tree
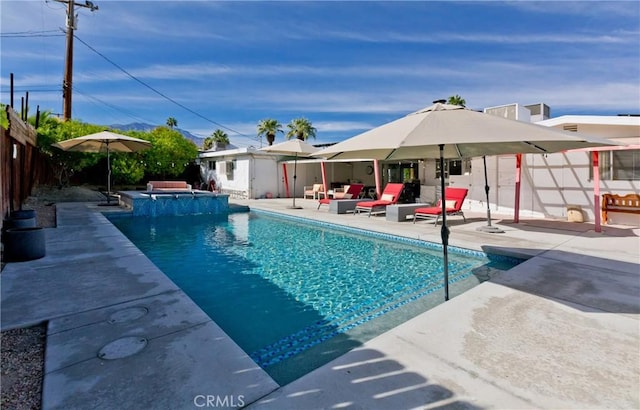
(208,143)
(269,127)
(301,128)
(172,122)
(220,138)
(456,100)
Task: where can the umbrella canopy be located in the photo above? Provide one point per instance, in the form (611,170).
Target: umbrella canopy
(465,134)
(295,147)
(451,131)
(104,141)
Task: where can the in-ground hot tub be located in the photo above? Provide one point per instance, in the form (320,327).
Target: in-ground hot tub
(180,202)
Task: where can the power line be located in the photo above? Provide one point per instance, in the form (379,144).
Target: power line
(28,34)
(31,90)
(159,92)
(113,107)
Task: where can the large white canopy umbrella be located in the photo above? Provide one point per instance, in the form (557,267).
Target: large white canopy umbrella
(295,147)
(104,141)
(451,131)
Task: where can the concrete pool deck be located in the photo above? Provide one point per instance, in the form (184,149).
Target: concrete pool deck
(561,330)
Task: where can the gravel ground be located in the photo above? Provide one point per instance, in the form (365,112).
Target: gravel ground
(22,350)
(22,363)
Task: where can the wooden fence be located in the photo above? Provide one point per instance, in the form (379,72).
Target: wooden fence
(20,161)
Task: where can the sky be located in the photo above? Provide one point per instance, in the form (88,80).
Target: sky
(347,67)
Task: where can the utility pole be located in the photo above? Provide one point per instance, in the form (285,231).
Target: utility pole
(68,68)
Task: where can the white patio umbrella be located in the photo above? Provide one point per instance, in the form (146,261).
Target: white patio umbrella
(451,131)
(104,141)
(295,147)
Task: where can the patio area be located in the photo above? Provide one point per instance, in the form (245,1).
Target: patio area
(560,330)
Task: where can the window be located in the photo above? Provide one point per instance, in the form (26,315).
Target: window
(212,165)
(231,166)
(402,171)
(623,165)
(454,167)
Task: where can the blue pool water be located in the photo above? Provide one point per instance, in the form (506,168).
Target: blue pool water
(296,294)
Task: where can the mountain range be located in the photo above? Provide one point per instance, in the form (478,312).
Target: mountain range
(140,126)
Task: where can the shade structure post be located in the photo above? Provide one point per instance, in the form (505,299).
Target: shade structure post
(516,212)
(323,169)
(376,170)
(285,180)
(596,190)
(488,228)
(444,232)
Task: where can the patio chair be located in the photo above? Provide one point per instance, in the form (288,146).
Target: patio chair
(314,191)
(453,197)
(352,192)
(342,193)
(390,196)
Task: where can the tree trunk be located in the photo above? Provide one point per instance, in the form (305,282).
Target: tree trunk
(300,136)
(271,138)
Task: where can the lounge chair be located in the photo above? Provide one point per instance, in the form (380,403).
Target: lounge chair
(343,193)
(353,191)
(314,191)
(390,196)
(453,197)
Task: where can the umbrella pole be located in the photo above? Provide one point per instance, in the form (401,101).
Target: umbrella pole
(295,175)
(108,175)
(444,232)
(488,228)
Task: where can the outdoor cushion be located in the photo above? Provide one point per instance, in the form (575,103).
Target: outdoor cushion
(353,191)
(389,196)
(453,200)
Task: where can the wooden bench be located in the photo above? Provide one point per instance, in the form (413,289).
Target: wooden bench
(168,186)
(629,204)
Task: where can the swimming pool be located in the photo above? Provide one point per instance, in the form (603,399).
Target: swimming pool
(293,293)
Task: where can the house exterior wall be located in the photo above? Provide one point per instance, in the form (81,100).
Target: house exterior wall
(550,184)
(266,178)
(242,173)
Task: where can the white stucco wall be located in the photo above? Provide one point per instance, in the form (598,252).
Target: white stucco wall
(254,176)
(266,178)
(550,184)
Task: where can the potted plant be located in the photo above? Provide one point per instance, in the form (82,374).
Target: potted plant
(269,128)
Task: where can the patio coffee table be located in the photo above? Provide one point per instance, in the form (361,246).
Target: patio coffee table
(399,212)
(343,206)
